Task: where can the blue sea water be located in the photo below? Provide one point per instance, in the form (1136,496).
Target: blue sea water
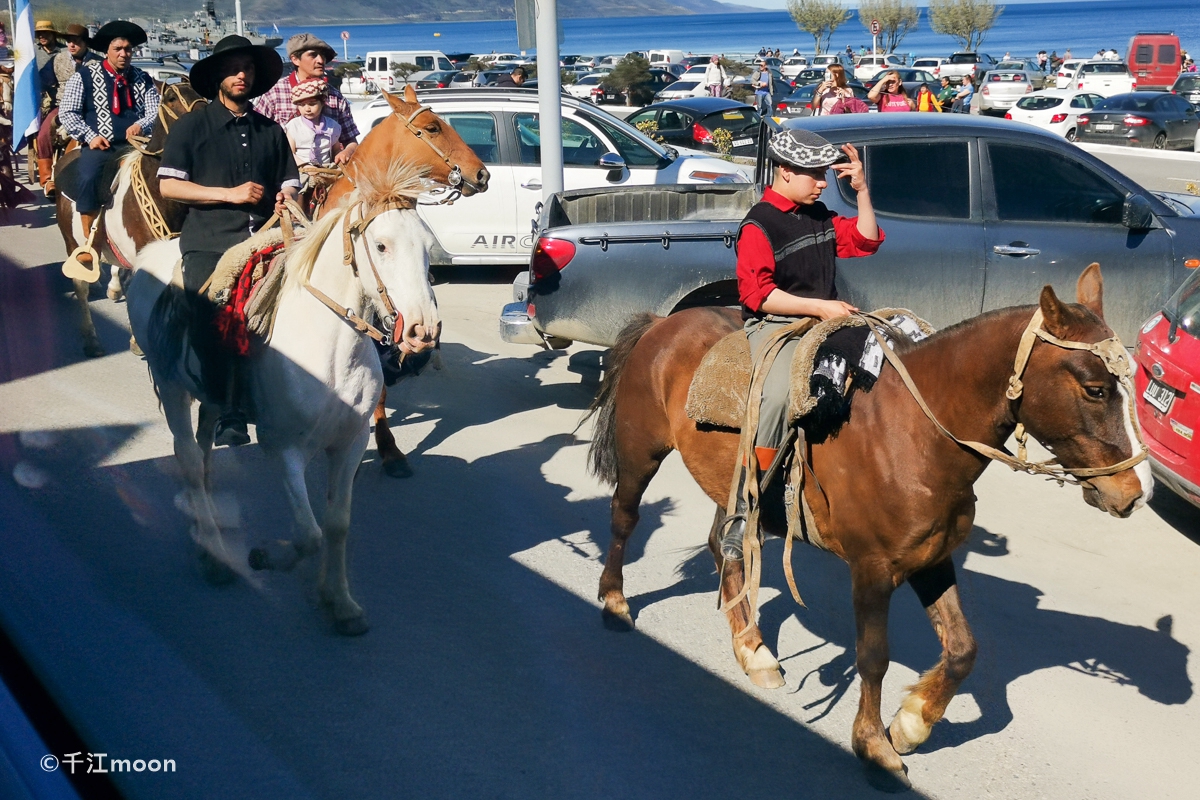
(1022,29)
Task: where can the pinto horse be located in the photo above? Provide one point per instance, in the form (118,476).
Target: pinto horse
(138,214)
(890,494)
(414,134)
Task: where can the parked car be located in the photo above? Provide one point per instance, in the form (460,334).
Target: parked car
(163,72)
(682,88)
(972,64)
(1065,76)
(931,64)
(1155,58)
(1055,110)
(691,61)
(582,88)
(691,123)
(800,102)
(638,95)
(912,79)
(1167,382)
(826,59)
(793,66)
(868,66)
(381,63)
(1008,209)
(501,126)
(1001,88)
(1187,86)
(437,80)
(807,76)
(1160,120)
(1039,77)
(1105,77)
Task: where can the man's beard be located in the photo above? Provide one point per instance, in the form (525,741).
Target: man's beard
(237,97)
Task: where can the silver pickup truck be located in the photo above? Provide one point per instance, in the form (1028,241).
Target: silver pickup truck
(978,214)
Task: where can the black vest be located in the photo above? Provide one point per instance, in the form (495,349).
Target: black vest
(805,249)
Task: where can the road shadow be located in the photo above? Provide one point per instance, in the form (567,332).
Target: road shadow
(1176,512)
(29,215)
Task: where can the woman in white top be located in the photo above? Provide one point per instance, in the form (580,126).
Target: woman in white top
(831,90)
(714,77)
(313,135)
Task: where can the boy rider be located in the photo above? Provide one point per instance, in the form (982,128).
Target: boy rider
(786,268)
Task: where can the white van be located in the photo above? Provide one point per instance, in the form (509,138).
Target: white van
(379,65)
(659,58)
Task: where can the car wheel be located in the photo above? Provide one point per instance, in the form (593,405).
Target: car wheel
(1072,135)
(1160,142)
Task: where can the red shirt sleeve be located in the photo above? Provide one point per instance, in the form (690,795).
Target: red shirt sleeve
(755,267)
(850,241)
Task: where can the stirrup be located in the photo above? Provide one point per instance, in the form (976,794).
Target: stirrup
(732,539)
(231,431)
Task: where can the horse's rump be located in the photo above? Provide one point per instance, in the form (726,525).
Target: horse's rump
(66,174)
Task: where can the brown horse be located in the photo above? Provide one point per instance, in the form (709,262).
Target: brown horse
(138,214)
(414,134)
(891,496)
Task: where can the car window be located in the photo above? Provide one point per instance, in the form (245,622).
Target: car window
(1166,54)
(964,58)
(634,147)
(581,147)
(647,115)
(1164,104)
(424,62)
(1037,185)
(917,179)
(1145,54)
(1043,102)
(478,130)
(672,120)
(444,63)
(1187,84)
(1127,102)
(1078,101)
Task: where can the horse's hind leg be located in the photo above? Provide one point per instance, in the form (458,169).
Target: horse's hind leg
(395,464)
(87,328)
(349,618)
(116,283)
(926,701)
(636,471)
(751,652)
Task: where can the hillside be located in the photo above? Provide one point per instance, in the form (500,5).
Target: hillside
(301,12)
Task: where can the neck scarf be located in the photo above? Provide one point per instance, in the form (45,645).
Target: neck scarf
(319,129)
(120,85)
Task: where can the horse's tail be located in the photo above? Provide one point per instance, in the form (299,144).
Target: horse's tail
(602,455)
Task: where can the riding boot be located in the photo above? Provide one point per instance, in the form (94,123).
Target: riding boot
(731,542)
(45,168)
(87,220)
(232,424)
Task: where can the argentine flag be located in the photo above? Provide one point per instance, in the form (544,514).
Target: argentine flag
(26,85)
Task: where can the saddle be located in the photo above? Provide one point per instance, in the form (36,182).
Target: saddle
(717,395)
(66,174)
(244,286)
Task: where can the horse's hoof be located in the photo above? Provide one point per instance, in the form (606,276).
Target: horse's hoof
(115,295)
(279,556)
(93,349)
(908,730)
(215,571)
(133,347)
(618,621)
(397,468)
(766,678)
(355,626)
(886,780)
(259,560)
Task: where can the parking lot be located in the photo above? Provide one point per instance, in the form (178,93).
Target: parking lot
(487,671)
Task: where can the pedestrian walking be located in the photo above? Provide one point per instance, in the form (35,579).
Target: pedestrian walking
(715,77)
(764,85)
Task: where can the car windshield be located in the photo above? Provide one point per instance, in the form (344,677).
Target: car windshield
(1104,69)
(683,86)
(1183,309)
(589,80)
(1128,102)
(804,92)
(1038,103)
(1187,84)
(964,58)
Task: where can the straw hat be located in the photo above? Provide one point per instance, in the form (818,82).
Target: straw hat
(44,26)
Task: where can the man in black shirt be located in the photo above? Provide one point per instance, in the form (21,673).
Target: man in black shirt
(233,168)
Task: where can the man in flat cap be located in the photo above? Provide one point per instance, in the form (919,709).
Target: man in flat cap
(787,248)
(55,76)
(103,104)
(233,168)
(310,55)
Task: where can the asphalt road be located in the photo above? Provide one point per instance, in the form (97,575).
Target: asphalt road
(487,672)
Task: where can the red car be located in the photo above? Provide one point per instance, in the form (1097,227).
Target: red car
(1168,390)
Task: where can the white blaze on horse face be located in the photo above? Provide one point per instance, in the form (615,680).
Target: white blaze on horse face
(1142,470)
(400,243)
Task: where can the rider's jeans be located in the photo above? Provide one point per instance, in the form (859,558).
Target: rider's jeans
(773,411)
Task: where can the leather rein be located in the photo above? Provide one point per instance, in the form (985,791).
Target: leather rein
(1110,351)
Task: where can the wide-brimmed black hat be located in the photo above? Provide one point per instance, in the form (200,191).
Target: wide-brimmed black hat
(268,66)
(117,29)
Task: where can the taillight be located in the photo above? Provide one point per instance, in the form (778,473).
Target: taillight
(1058,118)
(701,134)
(1133,86)
(1080,85)
(550,256)
(781,106)
(1134,121)
(1083,119)
(985,90)
(1028,88)
(1008,115)
(808,106)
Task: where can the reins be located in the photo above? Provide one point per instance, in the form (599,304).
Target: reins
(1110,351)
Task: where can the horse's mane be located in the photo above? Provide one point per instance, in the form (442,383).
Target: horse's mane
(129,162)
(401,182)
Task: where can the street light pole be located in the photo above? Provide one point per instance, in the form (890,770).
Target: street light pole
(549,98)
(237,8)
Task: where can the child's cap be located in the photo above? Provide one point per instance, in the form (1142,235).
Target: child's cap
(307,90)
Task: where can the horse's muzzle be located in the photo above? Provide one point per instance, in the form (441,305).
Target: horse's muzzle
(1119,495)
(419,338)
(476,184)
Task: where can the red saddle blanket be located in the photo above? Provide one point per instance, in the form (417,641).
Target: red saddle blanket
(231,317)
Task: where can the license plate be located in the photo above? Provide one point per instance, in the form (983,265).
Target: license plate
(1159,395)
(742,142)
(1105,126)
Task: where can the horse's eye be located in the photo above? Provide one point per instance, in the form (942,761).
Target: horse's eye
(1095,392)
(380,247)
(433,129)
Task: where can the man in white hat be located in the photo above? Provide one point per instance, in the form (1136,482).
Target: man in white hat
(310,55)
(787,251)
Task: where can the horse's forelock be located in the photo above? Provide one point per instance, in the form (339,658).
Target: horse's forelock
(398,182)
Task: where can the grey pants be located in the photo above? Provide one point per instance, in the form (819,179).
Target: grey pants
(773,412)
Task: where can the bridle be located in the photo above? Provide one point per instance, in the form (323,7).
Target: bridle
(1110,351)
(139,142)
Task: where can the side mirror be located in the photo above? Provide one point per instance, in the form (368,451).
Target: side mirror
(614,164)
(1137,215)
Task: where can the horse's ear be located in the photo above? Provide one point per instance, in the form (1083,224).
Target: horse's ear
(1089,291)
(1053,312)
(410,94)
(395,102)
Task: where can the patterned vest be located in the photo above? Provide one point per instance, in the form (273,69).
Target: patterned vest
(805,248)
(97,100)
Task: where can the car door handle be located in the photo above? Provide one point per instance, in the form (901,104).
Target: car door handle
(532,183)
(1013,250)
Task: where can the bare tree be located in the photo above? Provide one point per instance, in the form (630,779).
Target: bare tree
(896,19)
(820,18)
(968,21)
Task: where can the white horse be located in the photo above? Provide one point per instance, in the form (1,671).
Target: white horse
(316,383)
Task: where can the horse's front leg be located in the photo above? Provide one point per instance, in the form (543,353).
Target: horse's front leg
(395,463)
(872,589)
(349,618)
(116,283)
(926,701)
(281,554)
(87,328)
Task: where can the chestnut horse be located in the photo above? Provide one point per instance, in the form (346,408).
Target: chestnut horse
(124,228)
(892,496)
